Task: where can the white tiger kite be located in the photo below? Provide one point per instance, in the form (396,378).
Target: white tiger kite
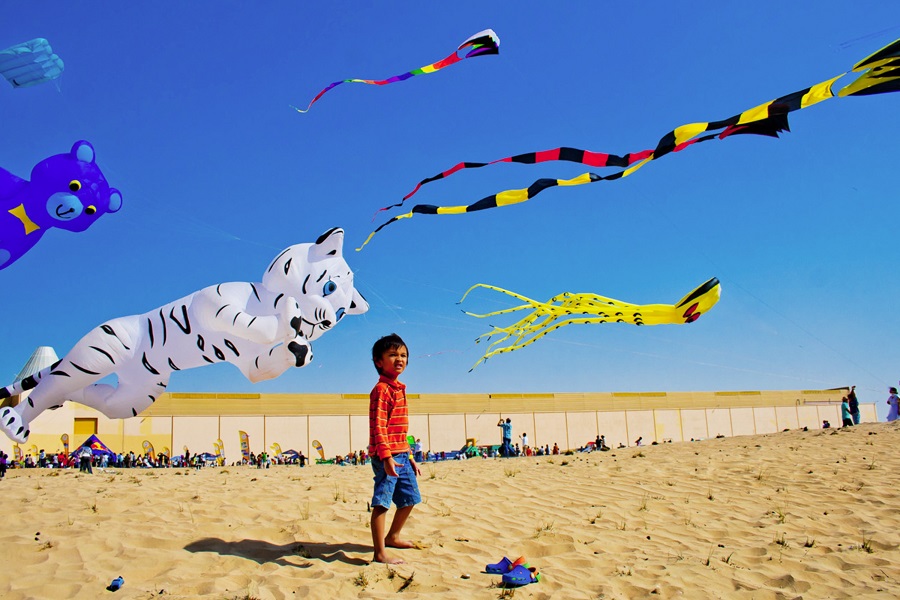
(262,328)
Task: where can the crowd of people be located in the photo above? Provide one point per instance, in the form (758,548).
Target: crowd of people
(85,459)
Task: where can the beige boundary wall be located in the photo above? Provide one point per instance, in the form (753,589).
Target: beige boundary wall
(443,422)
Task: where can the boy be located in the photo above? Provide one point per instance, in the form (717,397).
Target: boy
(395,470)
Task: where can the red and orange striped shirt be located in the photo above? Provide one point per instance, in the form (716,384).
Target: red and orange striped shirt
(388,419)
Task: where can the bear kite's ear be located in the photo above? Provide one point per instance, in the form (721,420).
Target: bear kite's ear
(330,243)
(83,151)
(115,200)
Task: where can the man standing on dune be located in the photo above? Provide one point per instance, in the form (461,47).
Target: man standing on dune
(506,435)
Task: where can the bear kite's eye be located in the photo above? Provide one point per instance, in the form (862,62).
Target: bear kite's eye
(90,209)
(330,288)
(74,185)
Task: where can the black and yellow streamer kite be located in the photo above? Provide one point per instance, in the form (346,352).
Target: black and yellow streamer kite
(880,74)
(568,308)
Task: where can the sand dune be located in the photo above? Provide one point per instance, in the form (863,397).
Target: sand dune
(794,514)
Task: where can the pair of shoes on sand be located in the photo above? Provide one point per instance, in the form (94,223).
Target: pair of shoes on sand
(514,572)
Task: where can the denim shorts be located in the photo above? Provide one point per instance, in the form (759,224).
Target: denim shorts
(403,490)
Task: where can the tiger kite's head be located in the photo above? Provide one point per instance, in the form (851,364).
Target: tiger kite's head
(318,277)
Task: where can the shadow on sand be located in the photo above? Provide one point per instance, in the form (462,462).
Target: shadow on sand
(266,552)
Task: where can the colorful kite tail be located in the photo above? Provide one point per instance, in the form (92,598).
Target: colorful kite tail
(481,44)
(879,74)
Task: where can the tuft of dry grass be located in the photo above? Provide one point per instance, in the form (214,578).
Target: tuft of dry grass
(543,528)
(780,514)
(361,580)
(303,515)
(407,581)
(338,493)
(644,499)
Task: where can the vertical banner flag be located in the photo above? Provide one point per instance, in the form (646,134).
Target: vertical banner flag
(319,448)
(245,445)
(148,449)
(64,438)
(219,445)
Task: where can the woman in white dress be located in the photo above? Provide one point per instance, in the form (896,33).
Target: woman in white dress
(893,402)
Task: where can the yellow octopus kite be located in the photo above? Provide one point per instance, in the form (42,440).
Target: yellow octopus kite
(568,308)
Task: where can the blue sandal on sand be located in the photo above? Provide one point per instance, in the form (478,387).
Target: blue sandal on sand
(504,566)
(521,575)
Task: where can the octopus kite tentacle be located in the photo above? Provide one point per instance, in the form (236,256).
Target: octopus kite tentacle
(880,74)
(482,43)
(586,309)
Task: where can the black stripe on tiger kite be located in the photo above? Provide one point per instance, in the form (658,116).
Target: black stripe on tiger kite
(186,327)
(82,369)
(104,353)
(147,364)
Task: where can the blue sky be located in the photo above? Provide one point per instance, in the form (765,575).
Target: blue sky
(187,105)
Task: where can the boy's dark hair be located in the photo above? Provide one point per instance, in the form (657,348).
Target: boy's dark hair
(388,342)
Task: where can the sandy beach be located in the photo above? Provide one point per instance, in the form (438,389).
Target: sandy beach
(788,515)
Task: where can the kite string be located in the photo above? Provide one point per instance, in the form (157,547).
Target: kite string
(853,41)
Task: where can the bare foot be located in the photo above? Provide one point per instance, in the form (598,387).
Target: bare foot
(387,559)
(399,543)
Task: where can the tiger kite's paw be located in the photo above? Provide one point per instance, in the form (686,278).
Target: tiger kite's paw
(12,424)
(302,353)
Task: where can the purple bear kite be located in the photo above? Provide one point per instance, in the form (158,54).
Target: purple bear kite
(67,191)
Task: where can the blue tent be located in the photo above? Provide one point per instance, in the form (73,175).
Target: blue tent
(98,448)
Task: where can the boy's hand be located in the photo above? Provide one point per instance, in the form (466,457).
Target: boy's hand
(415,467)
(390,467)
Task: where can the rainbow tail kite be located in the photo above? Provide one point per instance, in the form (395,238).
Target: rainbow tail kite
(880,75)
(480,44)
(568,308)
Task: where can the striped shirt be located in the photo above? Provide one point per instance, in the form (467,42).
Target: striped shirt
(388,419)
